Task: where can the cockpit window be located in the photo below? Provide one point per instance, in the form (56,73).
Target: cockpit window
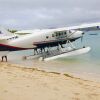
(64,33)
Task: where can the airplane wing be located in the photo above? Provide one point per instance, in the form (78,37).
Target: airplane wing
(82,27)
(87,27)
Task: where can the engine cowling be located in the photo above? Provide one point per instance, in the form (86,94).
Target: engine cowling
(73,34)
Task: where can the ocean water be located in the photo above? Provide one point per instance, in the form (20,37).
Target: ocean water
(85,66)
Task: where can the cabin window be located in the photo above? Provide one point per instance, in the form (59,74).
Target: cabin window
(59,33)
(53,35)
(16,37)
(47,37)
(65,33)
(56,34)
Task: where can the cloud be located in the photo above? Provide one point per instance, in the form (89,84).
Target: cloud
(25,14)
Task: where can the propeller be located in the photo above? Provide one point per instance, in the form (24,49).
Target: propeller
(82,37)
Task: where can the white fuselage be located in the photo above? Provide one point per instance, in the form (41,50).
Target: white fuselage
(43,36)
(38,39)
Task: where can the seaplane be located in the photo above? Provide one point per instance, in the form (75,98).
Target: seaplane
(47,44)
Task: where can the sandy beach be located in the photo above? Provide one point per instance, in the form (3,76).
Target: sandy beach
(19,83)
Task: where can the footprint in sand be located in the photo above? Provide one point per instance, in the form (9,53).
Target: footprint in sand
(77,93)
(5,91)
(75,98)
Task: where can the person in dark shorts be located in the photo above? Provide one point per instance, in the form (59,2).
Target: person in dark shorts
(3,58)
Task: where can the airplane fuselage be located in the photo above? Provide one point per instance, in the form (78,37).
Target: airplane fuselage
(41,39)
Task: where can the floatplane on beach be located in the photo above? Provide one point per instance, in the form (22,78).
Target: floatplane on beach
(43,40)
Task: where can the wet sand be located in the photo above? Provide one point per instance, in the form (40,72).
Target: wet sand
(19,83)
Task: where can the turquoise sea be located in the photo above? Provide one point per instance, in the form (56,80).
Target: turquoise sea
(85,66)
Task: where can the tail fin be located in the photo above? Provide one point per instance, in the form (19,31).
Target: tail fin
(4,32)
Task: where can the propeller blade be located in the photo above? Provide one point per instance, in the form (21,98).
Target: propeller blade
(81,39)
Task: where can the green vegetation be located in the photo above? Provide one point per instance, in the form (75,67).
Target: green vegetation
(12,31)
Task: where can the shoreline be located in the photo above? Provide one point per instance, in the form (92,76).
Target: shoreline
(32,83)
(46,67)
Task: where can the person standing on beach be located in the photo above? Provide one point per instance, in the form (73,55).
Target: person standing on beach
(3,58)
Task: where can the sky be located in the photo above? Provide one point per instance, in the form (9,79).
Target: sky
(33,14)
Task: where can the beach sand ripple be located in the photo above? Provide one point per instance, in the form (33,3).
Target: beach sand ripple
(19,83)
